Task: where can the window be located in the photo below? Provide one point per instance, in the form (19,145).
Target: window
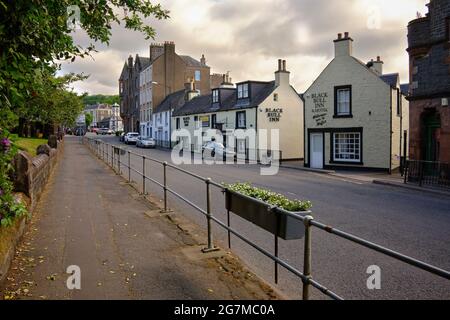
(213,121)
(275,97)
(215,96)
(343,101)
(197,125)
(243,91)
(240,146)
(399,102)
(197,75)
(240,120)
(178,124)
(347,147)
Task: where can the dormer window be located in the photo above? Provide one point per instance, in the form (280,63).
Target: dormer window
(242,91)
(215,96)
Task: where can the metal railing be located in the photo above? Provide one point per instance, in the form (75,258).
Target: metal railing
(117,157)
(428,173)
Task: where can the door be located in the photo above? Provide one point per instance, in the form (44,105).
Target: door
(316,157)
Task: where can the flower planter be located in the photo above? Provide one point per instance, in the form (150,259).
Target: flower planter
(265,216)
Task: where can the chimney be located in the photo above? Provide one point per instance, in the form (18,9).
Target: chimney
(203,60)
(156,49)
(343,45)
(190,91)
(282,75)
(377,66)
(227,81)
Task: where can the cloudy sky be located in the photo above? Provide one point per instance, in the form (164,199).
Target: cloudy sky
(246,37)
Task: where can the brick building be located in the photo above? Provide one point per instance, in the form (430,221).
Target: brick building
(429,90)
(154,78)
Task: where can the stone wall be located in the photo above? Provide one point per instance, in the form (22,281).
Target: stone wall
(30,179)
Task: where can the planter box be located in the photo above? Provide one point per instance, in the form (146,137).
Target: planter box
(265,216)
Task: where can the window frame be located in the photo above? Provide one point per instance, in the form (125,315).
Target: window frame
(197,75)
(334,160)
(215,96)
(237,120)
(336,102)
(213,121)
(240,90)
(177,124)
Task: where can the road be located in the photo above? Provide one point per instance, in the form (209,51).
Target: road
(414,223)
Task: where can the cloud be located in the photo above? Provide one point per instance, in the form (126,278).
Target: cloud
(247,37)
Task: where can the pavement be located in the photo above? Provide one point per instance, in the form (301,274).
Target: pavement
(412,222)
(124,246)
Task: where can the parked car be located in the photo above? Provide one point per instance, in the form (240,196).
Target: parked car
(146,143)
(102,131)
(213,149)
(131,138)
(122,137)
(94,130)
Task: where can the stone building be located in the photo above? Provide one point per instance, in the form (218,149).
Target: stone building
(355,116)
(429,93)
(151,80)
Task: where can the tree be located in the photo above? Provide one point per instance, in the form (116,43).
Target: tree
(89,119)
(36,36)
(99,98)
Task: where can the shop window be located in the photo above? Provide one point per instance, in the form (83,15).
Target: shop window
(347,147)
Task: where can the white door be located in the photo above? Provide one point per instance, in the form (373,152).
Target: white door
(316,150)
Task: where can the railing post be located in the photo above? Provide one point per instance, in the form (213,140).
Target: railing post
(129,166)
(143,175)
(165,186)
(210,247)
(118,160)
(307,257)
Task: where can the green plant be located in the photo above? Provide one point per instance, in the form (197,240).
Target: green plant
(10,207)
(270,197)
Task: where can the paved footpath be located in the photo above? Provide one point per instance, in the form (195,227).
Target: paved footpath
(89,217)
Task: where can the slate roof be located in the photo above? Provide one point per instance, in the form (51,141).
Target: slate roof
(404,88)
(391,79)
(172,101)
(191,61)
(203,104)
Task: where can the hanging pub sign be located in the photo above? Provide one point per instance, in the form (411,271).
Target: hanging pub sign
(274,114)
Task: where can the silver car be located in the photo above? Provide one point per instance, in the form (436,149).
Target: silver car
(145,142)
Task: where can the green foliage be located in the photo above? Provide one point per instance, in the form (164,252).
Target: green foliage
(270,197)
(35,37)
(88,119)
(99,98)
(9,207)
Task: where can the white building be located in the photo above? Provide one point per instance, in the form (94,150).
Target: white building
(146,98)
(355,116)
(98,112)
(116,120)
(257,105)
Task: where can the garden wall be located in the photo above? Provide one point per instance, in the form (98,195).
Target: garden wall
(30,178)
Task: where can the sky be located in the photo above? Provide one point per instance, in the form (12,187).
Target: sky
(247,37)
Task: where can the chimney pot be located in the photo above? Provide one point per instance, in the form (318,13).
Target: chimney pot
(279,64)
(379,59)
(284,65)
(346,35)
(339,36)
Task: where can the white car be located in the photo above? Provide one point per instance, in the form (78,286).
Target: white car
(146,143)
(216,149)
(131,138)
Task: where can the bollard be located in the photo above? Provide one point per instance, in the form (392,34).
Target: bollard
(307,257)
(210,247)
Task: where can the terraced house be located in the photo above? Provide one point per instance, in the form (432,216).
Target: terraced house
(356,117)
(248,105)
(144,84)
